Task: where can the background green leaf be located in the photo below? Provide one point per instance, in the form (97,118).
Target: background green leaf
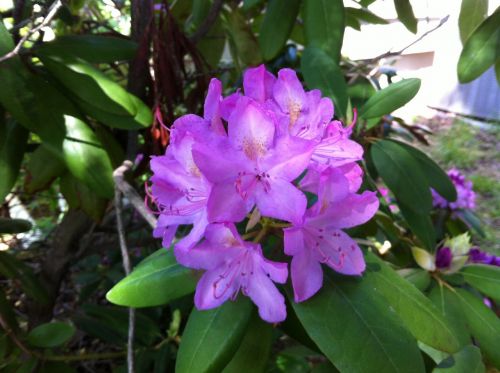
(347,311)
(467,360)
(405,15)
(390,98)
(277,25)
(324,22)
(157,280)
(212,337)
(322,72)
(485,278)
(472,13)
(481,50)
(52,334)
(13,138)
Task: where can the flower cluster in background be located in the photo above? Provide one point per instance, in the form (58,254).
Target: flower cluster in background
(466,197)
(255,154)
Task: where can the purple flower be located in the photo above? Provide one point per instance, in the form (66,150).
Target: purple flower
(466,197)
(443,257)
(319,237)
(478,256)
(232,265)
(253,166)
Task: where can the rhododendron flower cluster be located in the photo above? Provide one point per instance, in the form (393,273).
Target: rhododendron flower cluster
(254,154)
(466,197)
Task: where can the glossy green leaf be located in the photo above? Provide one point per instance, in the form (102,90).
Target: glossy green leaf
(79,196)
(92,48)
(390,98)
(211,338)
(157,280)
(472,13)
(467,360)
(42,169)
(13,226)
(435,176)
(472,221)
(359,91)
(353,22)
(13,139)
(322,72)
(199,12)
(52,334)
(420,224)
(485,278)
(481,50)
(402,174)
(254,349)
(483,324)
(242,39)
(417,277)
(405,14)
(417,312)
(365,15)
(451,309)
(249,4)
(277,25)
(8,316)
(86,159)
(13,268)
(212,45)
(349,310)
(324,23)
(497,71)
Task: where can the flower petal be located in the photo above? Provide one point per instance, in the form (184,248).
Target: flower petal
(293,240)
(213,289)
(281,201)
(289,93)
(354,210)
(226,205)
(250,130)
(289,158)
(166,233)
(335,151)
(196,232)
(307,275)
(268,299)
(211,108)
(258,83)
(344,254)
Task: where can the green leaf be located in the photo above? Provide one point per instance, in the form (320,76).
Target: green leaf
(471,220)
(451,309)
(347,311)
(13,268)
(485,278)
(322,72)
(52,334)
(13,226)
(8,317)
(436,177)
(79,196)
(472,13)
(405,14)
(417,277)
(42,169)
(254,349)
(212,337)
(242,39)
(13,139)
(467,360)
(390,98)
(157,280)
(324,23)
(91,48)
(360,91)
(402,174)
(212,45)
(277,25)
(420,224)
(483,324)
(417,312)
(365,15)
(481,50)
(497,71)
(353,22)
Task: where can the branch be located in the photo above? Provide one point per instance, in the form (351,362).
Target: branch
(392,54)
(131,194)
(208,22)
(126,267)
(50,15)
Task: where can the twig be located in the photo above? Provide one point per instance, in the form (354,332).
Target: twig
(50,15)
(392,54)
(126,267)
(131,194)
(208,22)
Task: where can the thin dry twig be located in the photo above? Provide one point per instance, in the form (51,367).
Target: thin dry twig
(126,267)
(131,194)
(50,15)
